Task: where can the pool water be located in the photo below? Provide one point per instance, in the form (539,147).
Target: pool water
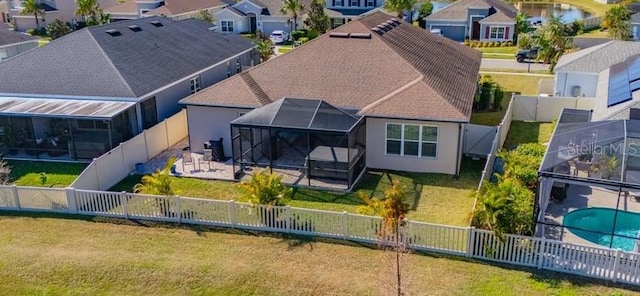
(595,225)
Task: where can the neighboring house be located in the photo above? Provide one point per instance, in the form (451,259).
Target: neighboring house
(635,25)
(174,9)
(586,42)
(250,16)
(577,74)
(4,12)
(82,94)
(377,93)
(484,20)
(64,10)
(342,11)
(13,43)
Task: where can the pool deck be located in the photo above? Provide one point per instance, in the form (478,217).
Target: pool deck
(580,197)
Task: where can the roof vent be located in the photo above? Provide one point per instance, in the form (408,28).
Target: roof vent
(157,24)
(383,28)
(390,23)
(395,20)
(338,35)
(377,30)
(113,32)
(134,28)
(360,35)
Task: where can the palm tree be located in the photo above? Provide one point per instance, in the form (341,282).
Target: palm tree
(264,48)
(399,6)
(159,183)
(32,7)
(292,7)
(617,21)
(86,8)
(393,209)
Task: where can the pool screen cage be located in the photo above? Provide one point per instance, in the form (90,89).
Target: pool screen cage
(589,183)
(310,141)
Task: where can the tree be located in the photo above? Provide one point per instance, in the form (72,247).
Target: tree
(5,172)
(522,25)
(86,8)
(424,11)
(206,16)
(292,7)
(158,183)
(32,7)
(399,6)
(317,19)
(57,29)
(393,209)
(617,21)
(553,39)
(265,48)
(265,188)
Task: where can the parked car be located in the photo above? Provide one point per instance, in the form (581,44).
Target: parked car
(436,31)
(279,36)
(524,54)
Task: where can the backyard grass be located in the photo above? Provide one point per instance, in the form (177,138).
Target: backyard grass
(503,50)
(48,256)
(498,56)
(526,85)
(528,132)
(492,118)
(44,40)
(434,198)
(507,71)
(59,174)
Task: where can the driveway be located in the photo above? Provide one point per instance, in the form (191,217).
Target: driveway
(511,65)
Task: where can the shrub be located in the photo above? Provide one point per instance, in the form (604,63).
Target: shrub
(303,40)
(525,41)
(498,96)
(509,43)
(523,162)
(297,35)
(312,34)
(486,92)
(496,44)
(248,35)
(57,29)
(265,188)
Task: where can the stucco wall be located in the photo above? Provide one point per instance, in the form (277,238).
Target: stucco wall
(564,83)
(211,123)
(508,35)
(446,155)
(239,23)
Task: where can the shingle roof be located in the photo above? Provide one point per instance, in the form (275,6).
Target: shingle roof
(272,7)
(339,12)
(10,37)
(173,7)
(458,9)
(498,17)
(129,7)
(586,42)
(403,73)
(597,58)
(91,62)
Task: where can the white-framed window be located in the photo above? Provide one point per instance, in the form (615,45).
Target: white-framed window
(497,32)
(371,3)
(339,2)
(226,26)
(337,22)
(354,3)
(195,84)
(411,140)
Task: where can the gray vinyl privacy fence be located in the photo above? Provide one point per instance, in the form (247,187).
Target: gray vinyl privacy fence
(601,263)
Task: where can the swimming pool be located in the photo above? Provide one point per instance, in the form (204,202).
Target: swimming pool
(600,221)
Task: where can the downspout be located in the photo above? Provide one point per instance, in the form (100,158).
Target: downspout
(459,154)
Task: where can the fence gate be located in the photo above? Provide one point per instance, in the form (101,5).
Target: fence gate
(478,139)
(525,108)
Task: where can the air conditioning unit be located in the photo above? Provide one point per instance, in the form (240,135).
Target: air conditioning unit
(576,90)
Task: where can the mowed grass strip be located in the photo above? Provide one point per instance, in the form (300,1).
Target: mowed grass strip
(434,198)
(47,256)
(58,174)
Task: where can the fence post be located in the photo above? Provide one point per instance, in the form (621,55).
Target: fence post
(146,144)
(541,248)
(616,259)
(179,208)
(232,213)
(345,225)
(471,240)
(95,168)
(123,202)
(72,208)
(16,198)
(288,221)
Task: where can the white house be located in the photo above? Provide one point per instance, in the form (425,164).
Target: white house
(64,10)
(250,16)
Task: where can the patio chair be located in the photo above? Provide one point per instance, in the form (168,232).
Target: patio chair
(187,159)
(207,157)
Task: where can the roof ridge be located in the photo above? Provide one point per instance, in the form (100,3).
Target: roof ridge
(106,56)
(255,88)
(590,51)
(392,94)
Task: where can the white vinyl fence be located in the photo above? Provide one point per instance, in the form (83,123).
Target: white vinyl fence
(498,141)
(113,166)
(601,263)
(546,109)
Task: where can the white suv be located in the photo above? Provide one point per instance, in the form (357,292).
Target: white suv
(279,36)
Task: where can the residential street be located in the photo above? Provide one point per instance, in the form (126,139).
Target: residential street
(511,65)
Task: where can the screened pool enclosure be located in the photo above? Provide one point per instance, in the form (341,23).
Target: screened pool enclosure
(589,182)
(316,143)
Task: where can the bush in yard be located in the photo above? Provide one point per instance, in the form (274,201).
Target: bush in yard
(509,43)
(297,35)
(265,188)
(159,183)
(486,92)
(525,41)
(523,162)
(57,29)
(498,96)
(312,34)
(303,40)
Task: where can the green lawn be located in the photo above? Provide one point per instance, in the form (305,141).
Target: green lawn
(284,49)
(44,40)
(498,56)
(435,198)
(526,85)
(59,174)
(528,132)
(504,50)
(48,256)
(492,118)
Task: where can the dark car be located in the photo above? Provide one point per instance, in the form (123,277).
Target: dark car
(529,54)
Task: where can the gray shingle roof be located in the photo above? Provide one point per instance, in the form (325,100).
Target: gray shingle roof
(10,37)
(404,73)
(598,58)
(91,62)
(459,9)
(272,7)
